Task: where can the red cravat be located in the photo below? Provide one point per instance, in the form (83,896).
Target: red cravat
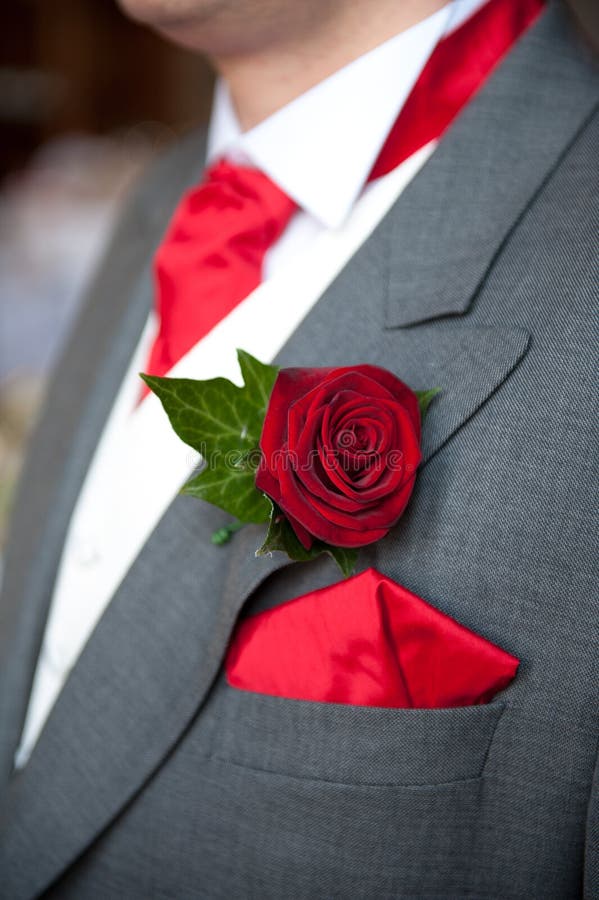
(459,65)
(212,255)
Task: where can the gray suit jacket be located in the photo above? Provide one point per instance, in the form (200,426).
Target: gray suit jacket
(153,778)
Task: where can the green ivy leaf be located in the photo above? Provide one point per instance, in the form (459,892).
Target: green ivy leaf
(231,490)
(281,536)
(424,400)
(223,422)
(345,557)
(259,379)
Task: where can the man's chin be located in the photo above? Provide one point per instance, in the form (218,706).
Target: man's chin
(171,16)
(209,27)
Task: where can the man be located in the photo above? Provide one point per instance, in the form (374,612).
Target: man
(433,164)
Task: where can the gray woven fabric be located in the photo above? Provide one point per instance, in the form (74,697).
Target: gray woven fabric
(153,778)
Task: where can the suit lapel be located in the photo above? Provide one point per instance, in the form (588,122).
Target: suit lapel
(50,485)
(152,659)
(133,692)
(81,395)
(456,217)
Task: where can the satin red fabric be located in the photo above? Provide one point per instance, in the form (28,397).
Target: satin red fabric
(366,641)
(212,254)
(458,67)
(211,257)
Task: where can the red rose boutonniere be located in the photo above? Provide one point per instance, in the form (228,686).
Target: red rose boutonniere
(327,457)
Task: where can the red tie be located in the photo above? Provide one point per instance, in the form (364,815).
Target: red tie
(212,255)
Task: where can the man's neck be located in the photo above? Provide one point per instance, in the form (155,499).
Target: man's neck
(260,83)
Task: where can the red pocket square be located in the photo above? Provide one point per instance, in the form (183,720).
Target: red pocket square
(366,641)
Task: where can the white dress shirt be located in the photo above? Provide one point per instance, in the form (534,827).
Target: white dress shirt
(320,149)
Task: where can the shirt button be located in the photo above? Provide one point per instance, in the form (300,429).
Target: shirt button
(56,658)
(86,553)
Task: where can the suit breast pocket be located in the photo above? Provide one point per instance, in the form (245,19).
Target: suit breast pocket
(335,800)
(350,744)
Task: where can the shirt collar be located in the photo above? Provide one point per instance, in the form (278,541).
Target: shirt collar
(321,147)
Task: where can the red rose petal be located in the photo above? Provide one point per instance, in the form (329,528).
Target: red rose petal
(328,443)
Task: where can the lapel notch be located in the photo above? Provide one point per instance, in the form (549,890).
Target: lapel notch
(455,216)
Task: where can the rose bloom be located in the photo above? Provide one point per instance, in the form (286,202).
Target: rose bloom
(340,450)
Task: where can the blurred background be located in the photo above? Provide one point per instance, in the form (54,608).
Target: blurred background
(86,99)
